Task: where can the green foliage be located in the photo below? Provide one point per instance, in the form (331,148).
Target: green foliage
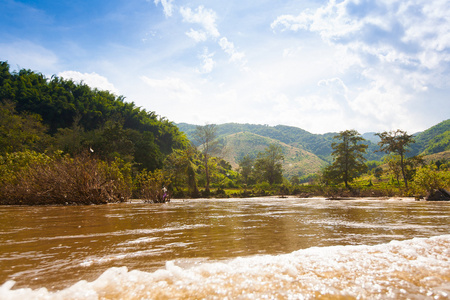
(268,165)
(20,132)
(427,179)
(151,185)
(246,165)
(439,143)
(396,142)
(78,118)
(15,163)
(206,137)
(432,140)
(348,158)
(181,167)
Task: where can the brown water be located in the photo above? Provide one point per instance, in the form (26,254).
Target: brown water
(247,248)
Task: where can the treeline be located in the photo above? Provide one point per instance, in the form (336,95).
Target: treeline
(418,177)
(62,142)
(60,114)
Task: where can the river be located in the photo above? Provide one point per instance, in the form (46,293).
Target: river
(259,248)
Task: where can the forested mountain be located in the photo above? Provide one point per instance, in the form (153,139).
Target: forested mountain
(297,162)
(241,139)
(433,140)
(77,118)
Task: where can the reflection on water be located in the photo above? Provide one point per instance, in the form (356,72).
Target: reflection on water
(56,247)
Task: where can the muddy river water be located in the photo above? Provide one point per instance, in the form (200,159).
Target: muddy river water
(260,248)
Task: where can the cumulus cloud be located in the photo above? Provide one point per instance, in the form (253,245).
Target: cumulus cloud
(94,80)
(202,16)
(167,6)
(408,36)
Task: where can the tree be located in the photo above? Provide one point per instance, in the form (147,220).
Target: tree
(349,161)
(396,142)
(268,164)
(181,168)
(246,165)
(206,137)
(393,162)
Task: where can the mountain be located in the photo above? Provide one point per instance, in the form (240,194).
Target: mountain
(305,153)
(297,162)
(243,139)
(319,144)
(433,140)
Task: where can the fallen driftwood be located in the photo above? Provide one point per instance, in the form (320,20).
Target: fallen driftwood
(438,195)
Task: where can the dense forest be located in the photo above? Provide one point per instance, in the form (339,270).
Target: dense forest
(63,142)
(76,117)
(46,121)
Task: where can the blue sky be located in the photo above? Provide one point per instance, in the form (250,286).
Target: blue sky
(323,66)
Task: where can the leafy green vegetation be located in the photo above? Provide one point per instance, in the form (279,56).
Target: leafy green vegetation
(78,118)
(348,158)
(63,142)
(73,130)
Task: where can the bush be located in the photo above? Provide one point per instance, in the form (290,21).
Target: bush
(149,186)
(35,179)
(428,179)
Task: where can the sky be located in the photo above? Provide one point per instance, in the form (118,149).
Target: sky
(323,66)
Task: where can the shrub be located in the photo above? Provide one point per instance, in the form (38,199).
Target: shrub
(34,179)
(149,185)
(428,179)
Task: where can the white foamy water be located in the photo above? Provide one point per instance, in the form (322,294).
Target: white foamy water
(418,268)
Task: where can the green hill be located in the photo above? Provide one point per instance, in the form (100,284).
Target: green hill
(297,162)
(305,152)
(433,140)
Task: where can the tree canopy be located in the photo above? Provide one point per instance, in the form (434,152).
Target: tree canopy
(396,142)
(78,117)
(349,161)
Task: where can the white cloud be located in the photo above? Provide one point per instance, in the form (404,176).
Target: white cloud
(404,36)
(208,62)
(384,103)
(228,47)
(198,36)
(94,80)
(202,16)
(167,6)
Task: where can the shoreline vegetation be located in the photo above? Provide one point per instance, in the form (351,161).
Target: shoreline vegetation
(64,143)
(31,178)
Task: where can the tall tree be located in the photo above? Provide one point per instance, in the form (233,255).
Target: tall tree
(396,142)
(246,165)
(180,165)
(349,161)
(268,164)
(206,137)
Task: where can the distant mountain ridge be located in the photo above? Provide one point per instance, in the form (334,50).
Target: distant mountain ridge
(306,153)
